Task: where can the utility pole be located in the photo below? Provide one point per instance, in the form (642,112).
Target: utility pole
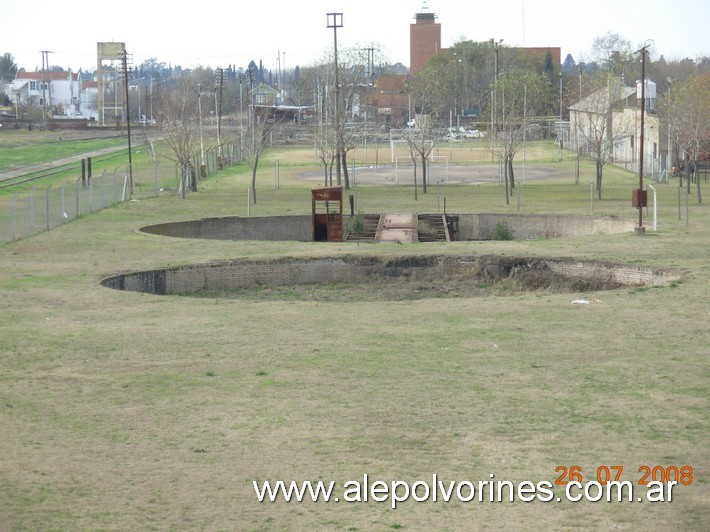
(45,66)
(241,117)
(199,116)
(220,83)
(640,203)
(335,21)
(124,56)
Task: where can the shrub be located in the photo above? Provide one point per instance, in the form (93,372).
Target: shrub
(502,231)
(357,223)
(425,228)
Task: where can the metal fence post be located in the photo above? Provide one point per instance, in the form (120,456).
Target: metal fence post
(102,187)
(64,210)
(115,187)
(32,209)
(47,204)
(14,216)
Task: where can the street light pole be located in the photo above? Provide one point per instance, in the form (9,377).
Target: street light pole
(495,44)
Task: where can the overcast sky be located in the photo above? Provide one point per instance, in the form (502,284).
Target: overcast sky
(218,33)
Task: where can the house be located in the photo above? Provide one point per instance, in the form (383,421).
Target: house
(58,93)
(391,100)
(607,124)
(262,94)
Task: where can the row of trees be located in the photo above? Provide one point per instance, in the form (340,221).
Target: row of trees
(508,89)
(464,77)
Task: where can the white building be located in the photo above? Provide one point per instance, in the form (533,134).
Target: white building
(607,123)
(60,94)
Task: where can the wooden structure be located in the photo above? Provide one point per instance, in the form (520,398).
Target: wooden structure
(327,214)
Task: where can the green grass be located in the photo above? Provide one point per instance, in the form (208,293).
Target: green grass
(131,411)
(22,147)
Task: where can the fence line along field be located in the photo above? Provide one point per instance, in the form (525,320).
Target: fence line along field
(126,410)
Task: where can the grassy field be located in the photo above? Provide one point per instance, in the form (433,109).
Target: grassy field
(22,147)
(132,411)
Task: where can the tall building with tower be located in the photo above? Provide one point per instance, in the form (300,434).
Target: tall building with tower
(424,38)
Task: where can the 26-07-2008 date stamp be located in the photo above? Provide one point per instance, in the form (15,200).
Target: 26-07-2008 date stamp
(607,481)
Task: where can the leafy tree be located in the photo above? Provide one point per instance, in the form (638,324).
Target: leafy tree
(8,68)
(569,66)
(252,74)
(463,77)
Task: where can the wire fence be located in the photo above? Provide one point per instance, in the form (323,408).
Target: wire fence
(26,213)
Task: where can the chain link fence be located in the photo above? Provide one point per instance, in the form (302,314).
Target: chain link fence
(42,208)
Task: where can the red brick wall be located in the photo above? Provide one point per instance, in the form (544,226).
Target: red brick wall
(424,41)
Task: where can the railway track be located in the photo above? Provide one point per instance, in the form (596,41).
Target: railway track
(37,172)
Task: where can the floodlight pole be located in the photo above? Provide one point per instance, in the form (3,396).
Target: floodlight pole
(335,21)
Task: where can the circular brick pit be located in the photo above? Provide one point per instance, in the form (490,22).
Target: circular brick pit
(386,278)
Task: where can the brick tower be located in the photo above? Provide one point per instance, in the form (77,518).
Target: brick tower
(424,38)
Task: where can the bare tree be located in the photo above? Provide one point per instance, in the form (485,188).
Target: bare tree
(595,125)
(520,94)
(689,118)
(421,140)
(343,117)
(324,142)
(180,128)
(614,54)
(424,90)
(258,138)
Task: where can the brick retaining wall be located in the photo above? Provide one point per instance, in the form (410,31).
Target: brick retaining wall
(244,273)
(479,226)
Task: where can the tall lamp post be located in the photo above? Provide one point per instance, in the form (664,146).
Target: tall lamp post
(495,44)
(335,21)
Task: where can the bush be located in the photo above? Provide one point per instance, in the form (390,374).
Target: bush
(357,223)
(502,231)
(425,228)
